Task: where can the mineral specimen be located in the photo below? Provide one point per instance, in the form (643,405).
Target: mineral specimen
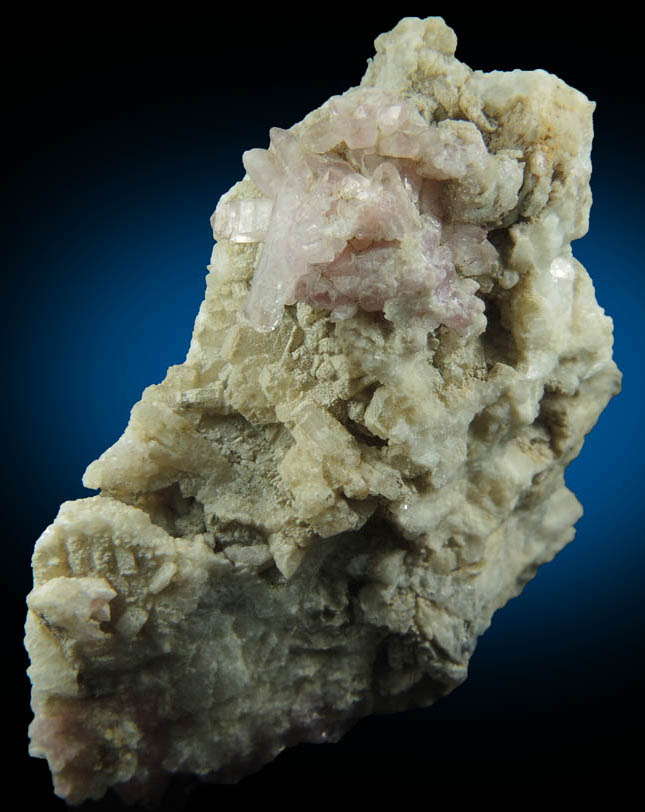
(361,459)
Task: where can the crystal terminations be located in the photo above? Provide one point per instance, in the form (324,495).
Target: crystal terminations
(361,459)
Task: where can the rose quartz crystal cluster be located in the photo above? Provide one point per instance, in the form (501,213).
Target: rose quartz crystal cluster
(350,216)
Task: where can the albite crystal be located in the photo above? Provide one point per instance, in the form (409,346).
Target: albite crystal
(361,459)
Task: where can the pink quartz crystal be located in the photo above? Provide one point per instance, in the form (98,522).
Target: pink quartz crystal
(350,215)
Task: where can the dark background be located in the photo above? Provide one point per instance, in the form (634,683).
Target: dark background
(124,130)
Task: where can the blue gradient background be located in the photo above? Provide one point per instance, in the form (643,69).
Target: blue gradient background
(120,151)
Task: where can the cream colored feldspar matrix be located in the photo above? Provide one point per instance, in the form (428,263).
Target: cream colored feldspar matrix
(315,516)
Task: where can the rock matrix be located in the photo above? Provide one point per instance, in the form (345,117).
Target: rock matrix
(317,514)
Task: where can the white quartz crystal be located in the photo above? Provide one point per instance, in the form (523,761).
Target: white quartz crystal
(361,459)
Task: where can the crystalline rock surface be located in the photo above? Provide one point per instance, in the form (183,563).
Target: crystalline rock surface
(317,514)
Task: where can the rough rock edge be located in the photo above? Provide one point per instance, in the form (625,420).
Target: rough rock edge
(211,606)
